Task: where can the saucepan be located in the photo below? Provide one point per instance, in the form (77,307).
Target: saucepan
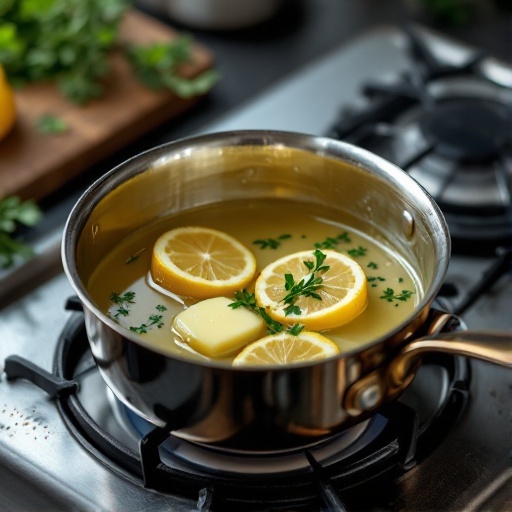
(213,402)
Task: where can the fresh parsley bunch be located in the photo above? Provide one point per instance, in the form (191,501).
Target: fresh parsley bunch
(69,41)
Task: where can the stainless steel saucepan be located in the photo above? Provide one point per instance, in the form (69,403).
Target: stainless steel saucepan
(211,402)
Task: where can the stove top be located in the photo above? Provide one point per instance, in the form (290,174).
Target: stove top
(49,461)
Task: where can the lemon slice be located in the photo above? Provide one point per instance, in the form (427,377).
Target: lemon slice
(201,262)
(343,291)
(284,348)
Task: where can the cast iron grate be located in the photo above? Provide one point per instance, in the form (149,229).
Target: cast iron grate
(450,127)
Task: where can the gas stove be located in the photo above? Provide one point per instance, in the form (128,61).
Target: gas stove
(66,443)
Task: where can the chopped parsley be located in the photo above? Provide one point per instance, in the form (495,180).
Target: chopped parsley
(271,243)
(152,320)
(359,251)
(372,265)
(390,296)
(121,299)
(332,242)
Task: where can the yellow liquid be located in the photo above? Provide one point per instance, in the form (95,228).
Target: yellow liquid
(126,269)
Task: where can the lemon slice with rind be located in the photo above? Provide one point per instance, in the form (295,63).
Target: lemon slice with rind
(201,262)
(341,296)
(285,348)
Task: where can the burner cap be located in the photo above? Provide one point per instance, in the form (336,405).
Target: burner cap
(467,130)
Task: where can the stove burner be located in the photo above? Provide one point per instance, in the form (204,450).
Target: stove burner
(467,130)
(450,128)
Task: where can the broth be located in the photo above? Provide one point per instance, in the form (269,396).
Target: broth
(292,227)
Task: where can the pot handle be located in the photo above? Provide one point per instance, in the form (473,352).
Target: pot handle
(491,346)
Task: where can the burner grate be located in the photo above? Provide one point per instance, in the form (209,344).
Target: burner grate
(450,128)
(410,433)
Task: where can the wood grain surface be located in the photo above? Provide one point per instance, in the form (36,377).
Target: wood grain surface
(32,165)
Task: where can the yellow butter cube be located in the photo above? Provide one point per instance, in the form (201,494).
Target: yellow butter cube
(214,329)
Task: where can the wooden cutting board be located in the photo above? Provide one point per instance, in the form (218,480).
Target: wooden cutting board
(33,165)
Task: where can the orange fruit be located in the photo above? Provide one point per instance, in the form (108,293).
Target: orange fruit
(7,106)
(285,348)
(201,263)
(342,294)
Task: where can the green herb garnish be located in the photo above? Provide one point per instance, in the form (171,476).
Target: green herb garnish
(271,243)
(121,299)
(14,212)
(359,251)
(390,296)
(372,265)
(248,300)
(304,288)
(332,242)
(152,320)
(160,307)
(375,278)
(121,311)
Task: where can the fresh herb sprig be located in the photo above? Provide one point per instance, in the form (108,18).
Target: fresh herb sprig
(15,212)
(248,300)
(121,299)
(305,287)
(390,296)
(157,66)
(357,252)
(332,242)
(145,327)
(271,243)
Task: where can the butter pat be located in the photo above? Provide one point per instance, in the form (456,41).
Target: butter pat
(214,329)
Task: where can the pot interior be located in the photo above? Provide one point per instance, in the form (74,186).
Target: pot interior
(369,193)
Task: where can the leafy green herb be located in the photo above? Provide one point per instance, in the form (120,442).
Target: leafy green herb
(152,320)
(271,243)
(70,42)
(372,265)
(121,311)
(14,212)
(161,308)
(355,253)
(134,257)
(400,279)
(248,300)
(390,296)
(304,288)
(50,124)
(121,299)
(332,242)
(375,278)
(157,66)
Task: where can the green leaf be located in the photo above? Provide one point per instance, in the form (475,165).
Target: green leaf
(50,124)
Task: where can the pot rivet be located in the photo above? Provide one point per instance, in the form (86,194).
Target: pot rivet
(408,224)
(370,397)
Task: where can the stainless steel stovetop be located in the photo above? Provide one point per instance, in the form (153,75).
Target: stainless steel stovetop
(43,467)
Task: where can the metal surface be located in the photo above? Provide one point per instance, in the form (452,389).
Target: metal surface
(56,473)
